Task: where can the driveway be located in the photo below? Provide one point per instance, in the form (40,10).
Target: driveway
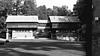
(41,48)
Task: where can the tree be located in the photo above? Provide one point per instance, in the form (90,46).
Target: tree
(42,12)
(84,12)
(5,8)
(81,10)
(6,4)
(50,12)
(55,10)
(23,7)
(61,11)
(29,7)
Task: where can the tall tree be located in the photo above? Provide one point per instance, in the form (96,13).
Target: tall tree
(55,10)
(16,6)
(80,8)
(24,7)
(6,4)
(5,8)
(61,11)
(84,12)
(50,12)
(30,7)
(42,12)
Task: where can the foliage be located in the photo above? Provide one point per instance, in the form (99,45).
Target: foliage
(50,12)
(56,11)
(61,11)
(29,8)
(82,9)
(42,12)
(84,12)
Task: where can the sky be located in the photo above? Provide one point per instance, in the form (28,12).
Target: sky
(59,3)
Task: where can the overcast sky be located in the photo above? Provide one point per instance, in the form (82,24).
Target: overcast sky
(51,3)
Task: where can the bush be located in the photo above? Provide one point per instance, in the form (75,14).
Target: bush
(3,34)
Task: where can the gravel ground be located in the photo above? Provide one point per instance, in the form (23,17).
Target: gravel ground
(41,48)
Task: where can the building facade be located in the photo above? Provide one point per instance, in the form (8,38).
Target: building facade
(30,27)
(63,25)
(21,27)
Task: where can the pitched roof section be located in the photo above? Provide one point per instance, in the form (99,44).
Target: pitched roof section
(42,21)
(22,19)
(35,19)
(63,19)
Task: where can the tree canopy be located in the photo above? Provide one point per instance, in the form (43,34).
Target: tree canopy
(28,7)
(82,10)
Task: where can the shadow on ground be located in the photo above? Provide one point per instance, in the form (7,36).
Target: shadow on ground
(36,48)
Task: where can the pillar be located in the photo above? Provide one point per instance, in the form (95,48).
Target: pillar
(7,34)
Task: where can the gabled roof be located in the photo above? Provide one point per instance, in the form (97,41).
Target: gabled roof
(22,19)
(63,19)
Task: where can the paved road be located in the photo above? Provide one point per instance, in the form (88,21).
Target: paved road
(41,48)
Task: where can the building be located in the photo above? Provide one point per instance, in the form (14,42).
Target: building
(61,25)
(21,27)
(64,22)
(30,27)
